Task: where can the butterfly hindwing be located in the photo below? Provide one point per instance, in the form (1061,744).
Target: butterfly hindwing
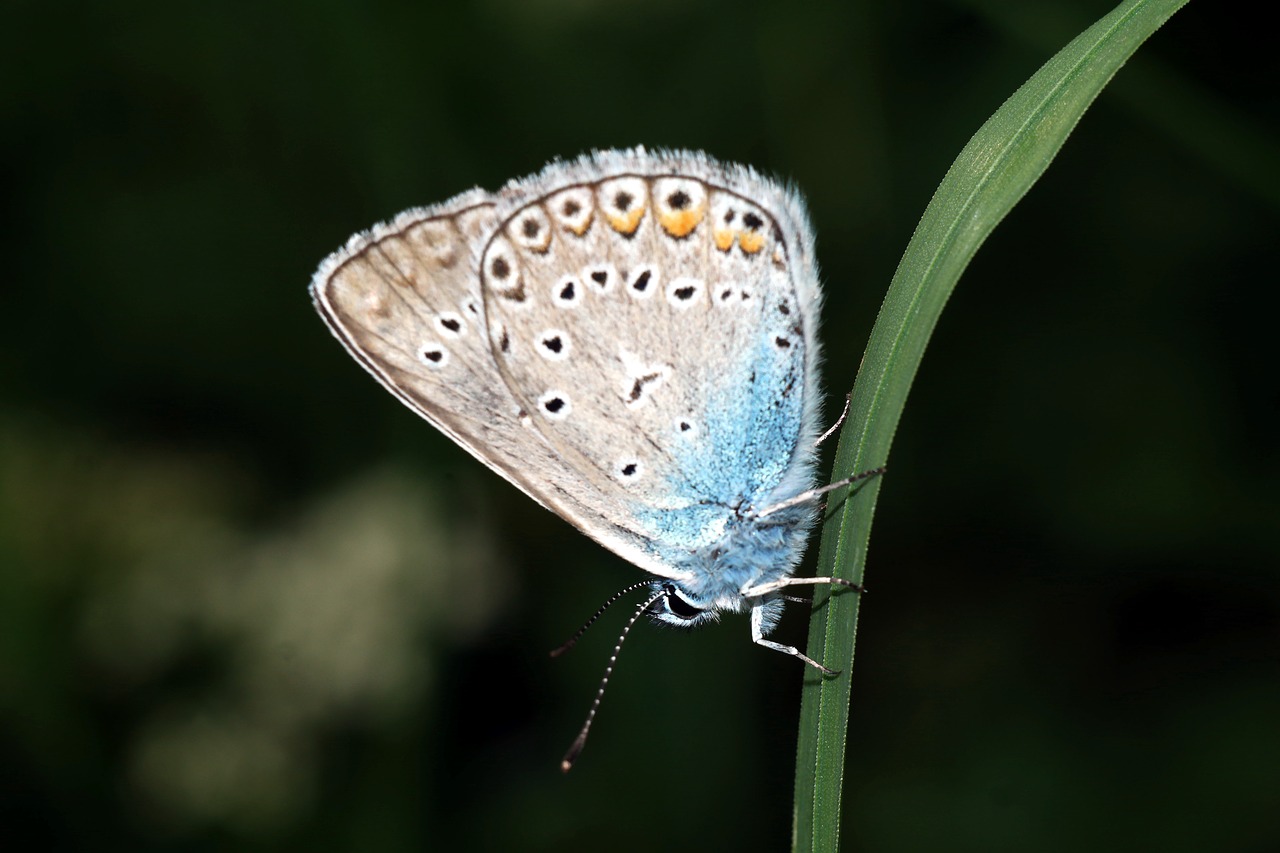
(649,317)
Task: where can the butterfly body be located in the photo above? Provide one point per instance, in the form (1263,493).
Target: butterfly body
(631,339)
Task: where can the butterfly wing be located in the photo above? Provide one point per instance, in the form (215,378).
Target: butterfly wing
(655,316)
(404,299)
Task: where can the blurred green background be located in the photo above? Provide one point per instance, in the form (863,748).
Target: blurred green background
(249,601)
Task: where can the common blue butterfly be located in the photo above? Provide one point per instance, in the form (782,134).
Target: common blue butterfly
(631,338)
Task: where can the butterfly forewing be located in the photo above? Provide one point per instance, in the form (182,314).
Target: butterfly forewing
(405,300)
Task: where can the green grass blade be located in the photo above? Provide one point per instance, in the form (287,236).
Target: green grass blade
(1000,163)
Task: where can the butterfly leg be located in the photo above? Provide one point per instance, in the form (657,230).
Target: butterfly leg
(774,586)
(757,637)
(835,426)
(814,494)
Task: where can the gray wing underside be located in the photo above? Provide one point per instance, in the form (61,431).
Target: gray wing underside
(644,417)
(404,299)
(659,315)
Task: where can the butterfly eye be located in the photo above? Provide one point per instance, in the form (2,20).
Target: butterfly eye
(681,608)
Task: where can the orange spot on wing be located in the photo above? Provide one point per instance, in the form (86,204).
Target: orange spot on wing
(723,239)
(751,241)
(626,223)
(581,229)
(678,223)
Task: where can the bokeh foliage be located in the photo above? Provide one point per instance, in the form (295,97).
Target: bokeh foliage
(249,601)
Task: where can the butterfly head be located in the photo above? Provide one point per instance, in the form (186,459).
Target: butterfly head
(676,606)
(715,578)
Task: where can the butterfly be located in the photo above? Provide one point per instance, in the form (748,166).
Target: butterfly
(631,339)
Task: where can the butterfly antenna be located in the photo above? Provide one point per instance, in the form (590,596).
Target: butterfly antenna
(575,749)
(573,641)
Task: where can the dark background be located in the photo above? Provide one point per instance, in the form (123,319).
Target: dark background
(248,601)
